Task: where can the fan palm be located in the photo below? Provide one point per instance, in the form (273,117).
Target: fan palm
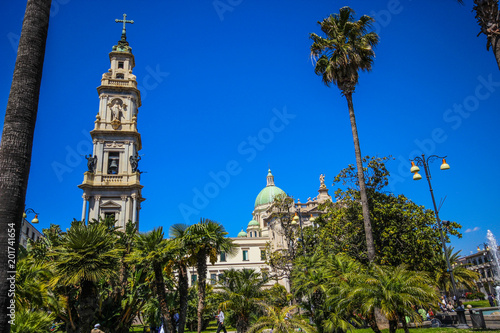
(395,291)
(309,286)
(28,321)
(281,321)
(205,240)
(86,256)
(347,49)
(242,290)
(153,252)
(341,273)
(464,278)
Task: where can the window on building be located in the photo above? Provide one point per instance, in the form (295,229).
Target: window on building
(220,276)
(27,231)
(120,75)
(265,275)
(262,254)
(33,235)
(213,278)
(113,163)
(245,255)
(120,64)
(110,215)
(223,256)
(193,279)
(480,260)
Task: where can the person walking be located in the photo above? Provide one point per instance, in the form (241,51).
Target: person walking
(96,329)
(491,300)
(220,320)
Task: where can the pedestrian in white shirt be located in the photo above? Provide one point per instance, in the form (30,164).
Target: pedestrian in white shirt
(220,319)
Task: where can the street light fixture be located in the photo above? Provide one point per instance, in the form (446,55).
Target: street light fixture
(31,211)
(423,162)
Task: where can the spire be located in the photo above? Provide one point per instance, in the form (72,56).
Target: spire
(123,45)
(270,178)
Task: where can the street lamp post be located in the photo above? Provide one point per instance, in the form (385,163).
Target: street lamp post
(423,162)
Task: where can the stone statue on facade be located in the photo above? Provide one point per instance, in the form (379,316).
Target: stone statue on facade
(116,109)
(322,181)
(134,162)
(91,162)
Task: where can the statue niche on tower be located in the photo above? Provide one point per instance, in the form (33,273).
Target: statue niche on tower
(117,108)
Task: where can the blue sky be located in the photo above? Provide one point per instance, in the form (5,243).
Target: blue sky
(230,84)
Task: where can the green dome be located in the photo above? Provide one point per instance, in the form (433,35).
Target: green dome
(253,223)
(242,233)
(268,194)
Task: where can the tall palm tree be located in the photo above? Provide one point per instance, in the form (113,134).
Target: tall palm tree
(280,320)
(488,18)
(242,290)
(347,49)
(152,251)
(17,139)
(204,241)
(181,262)
(87,255)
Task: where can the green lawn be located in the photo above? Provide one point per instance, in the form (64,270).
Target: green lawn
(478,304)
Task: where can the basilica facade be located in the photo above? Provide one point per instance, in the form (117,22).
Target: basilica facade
(263,230)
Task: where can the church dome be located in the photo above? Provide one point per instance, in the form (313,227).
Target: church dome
(242,233)
(253,223)
(269,192)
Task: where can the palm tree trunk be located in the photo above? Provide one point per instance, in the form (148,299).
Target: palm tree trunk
(162,297)
(201,267)
(361,179)
(87,307)
(393,326)
(183,296)
(17,141)
(495,43)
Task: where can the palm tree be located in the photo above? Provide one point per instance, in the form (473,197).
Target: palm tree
(242,290)
(86,256)
(17,139)
(181,261)
(309,286)
(281,321)
(28,321)
(205,240)
(395,291)
(464,278)
(488,18)
(347,49)
(153,252)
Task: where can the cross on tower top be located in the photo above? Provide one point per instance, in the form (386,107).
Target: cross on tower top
(125,21)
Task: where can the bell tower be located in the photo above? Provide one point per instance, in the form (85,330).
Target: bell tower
(111,186)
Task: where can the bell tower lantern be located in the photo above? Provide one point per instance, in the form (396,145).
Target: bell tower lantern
(111,185)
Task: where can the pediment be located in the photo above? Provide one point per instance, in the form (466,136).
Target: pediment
(110,204)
